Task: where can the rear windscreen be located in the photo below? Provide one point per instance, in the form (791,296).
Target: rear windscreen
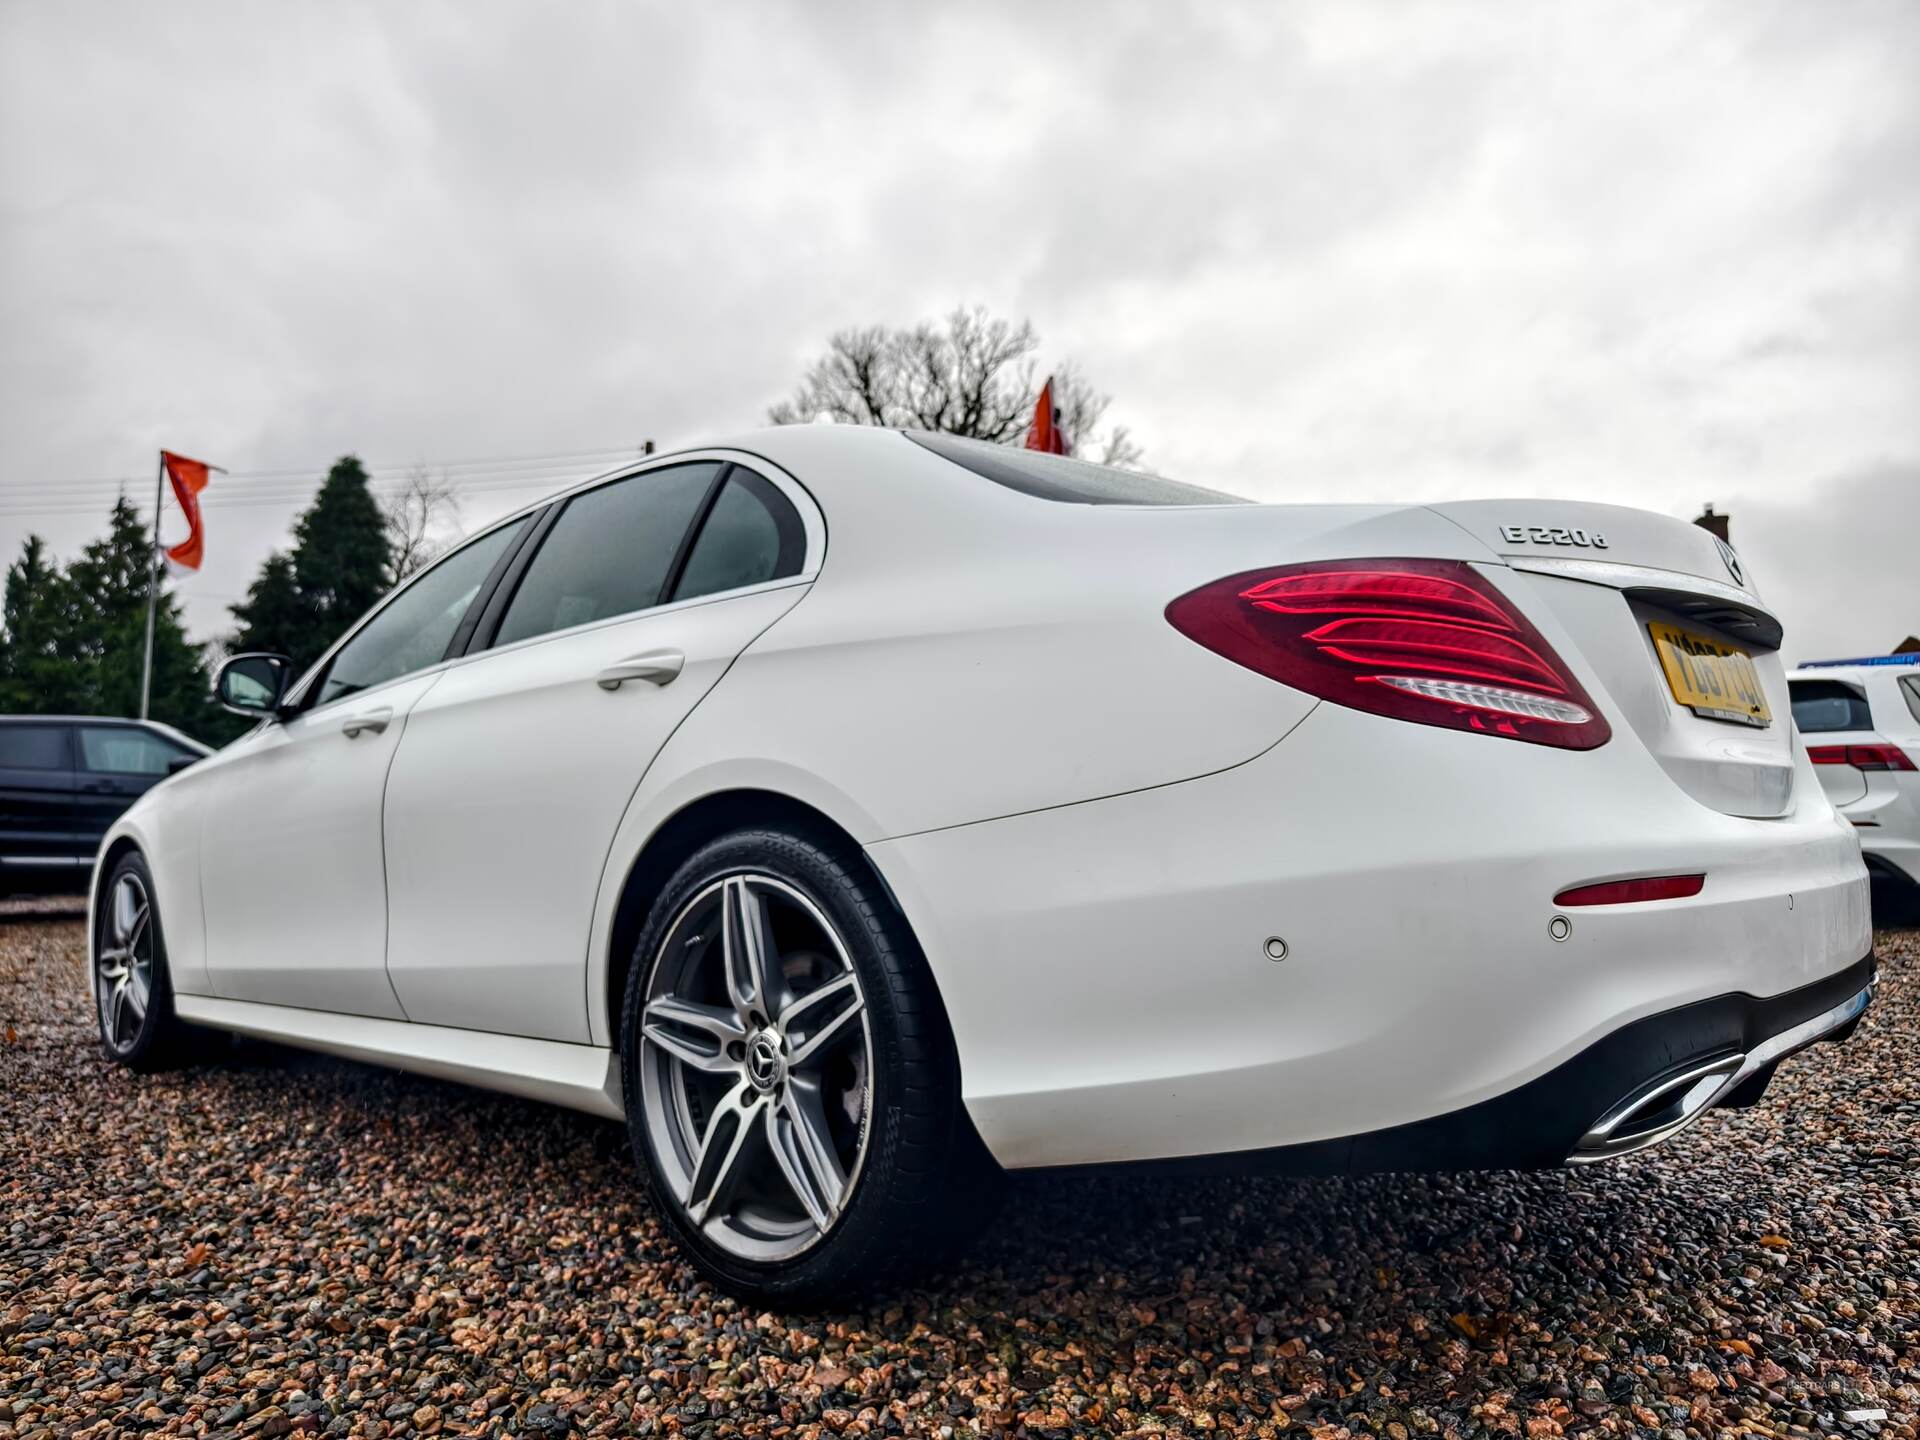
(1055,477)
(1820,705)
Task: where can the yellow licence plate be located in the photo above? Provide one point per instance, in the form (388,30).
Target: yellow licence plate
(1710,678)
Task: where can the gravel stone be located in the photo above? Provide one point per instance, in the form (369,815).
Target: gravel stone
(271,1243)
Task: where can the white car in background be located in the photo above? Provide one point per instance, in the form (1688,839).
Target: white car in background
(1861,723)
(855,812)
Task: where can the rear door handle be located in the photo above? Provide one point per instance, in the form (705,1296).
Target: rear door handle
(656,667)
(374,720)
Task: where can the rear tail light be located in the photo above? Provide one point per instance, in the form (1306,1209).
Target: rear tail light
(1861,757)
(1628,892)
(1424,640)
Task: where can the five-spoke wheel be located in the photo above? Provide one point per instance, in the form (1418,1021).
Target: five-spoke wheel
(790,1082)
(756,1066)
(123,968)
(130,987)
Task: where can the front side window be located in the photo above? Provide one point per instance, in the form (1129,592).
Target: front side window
(33,747)
(1822,706)
(123,750)
(750,536)
(609,553)
(415,628)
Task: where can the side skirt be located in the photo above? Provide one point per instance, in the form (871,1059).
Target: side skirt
(579,1077)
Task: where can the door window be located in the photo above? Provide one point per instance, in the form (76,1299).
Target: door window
(610,552)
(752,535)
(123,750)
(34,747)
(414,629)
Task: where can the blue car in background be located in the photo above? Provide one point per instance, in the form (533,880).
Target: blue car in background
(64,779)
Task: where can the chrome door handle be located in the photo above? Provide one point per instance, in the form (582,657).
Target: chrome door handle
(374,720)
(657,667)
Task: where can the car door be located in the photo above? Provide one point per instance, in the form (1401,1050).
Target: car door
(117,765)
(39,834)
(293,882)
(517,766)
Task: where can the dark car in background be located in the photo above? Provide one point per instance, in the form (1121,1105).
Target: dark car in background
(64,779)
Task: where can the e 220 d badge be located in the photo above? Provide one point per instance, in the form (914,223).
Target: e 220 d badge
(1552,535)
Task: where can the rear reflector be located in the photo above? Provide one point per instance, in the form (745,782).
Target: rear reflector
(1628,892)
(1861,757)
(1432,641)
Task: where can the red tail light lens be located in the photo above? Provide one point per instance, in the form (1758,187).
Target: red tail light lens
(1424,640)
(1861,757)
(1627,892)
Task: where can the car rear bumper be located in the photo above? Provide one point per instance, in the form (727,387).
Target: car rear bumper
(1107,972)
(1639,1086)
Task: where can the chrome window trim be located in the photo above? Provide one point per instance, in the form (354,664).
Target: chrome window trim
(812,522)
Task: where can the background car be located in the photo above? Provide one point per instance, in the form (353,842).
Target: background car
(855,812)
(1861,720)
(64,779)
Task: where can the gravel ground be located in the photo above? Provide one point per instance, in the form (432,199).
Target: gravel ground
(275,1242)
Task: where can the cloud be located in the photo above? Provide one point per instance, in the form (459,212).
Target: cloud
(1656,254)
(1846,582)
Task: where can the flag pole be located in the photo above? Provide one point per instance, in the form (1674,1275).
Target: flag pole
(153,585)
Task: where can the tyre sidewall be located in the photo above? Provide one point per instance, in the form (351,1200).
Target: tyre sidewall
(914,1084)
(149,1046)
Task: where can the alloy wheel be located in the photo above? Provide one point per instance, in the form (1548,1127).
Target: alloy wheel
(123,970)
(756,1067)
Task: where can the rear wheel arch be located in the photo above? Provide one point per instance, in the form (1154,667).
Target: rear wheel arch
(681,835)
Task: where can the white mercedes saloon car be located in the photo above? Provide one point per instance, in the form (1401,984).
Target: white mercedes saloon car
(859,814)
(1861,721)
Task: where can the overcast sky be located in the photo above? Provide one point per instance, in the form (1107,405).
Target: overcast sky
(1657,254)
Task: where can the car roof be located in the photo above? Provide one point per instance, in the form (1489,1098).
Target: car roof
(1856,669)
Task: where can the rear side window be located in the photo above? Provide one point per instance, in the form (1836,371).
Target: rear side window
(34,747)
(1055,477)
(122,750)
(609,553)
(1824,705)
(1910,690)
(752,535)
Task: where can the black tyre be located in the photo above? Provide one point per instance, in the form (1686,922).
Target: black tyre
(791,1086)
(133,997)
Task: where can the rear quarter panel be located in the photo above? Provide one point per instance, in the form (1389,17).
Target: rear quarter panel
(969,653)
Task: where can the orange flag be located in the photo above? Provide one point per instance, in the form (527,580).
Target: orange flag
(189,478)
(1045,432)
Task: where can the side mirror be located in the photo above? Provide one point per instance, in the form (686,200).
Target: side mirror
(182,762)
(253,684)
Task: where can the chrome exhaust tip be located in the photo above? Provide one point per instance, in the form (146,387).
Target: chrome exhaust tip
(1666,1105)
(1658,1109)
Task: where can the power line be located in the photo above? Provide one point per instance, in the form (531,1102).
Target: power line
(296,499)
(227,484)
(394,466)
(501,476)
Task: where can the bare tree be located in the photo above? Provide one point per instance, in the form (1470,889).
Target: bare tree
(976,375)
(424,506)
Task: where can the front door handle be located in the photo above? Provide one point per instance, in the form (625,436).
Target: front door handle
(374,720)
(656,667)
